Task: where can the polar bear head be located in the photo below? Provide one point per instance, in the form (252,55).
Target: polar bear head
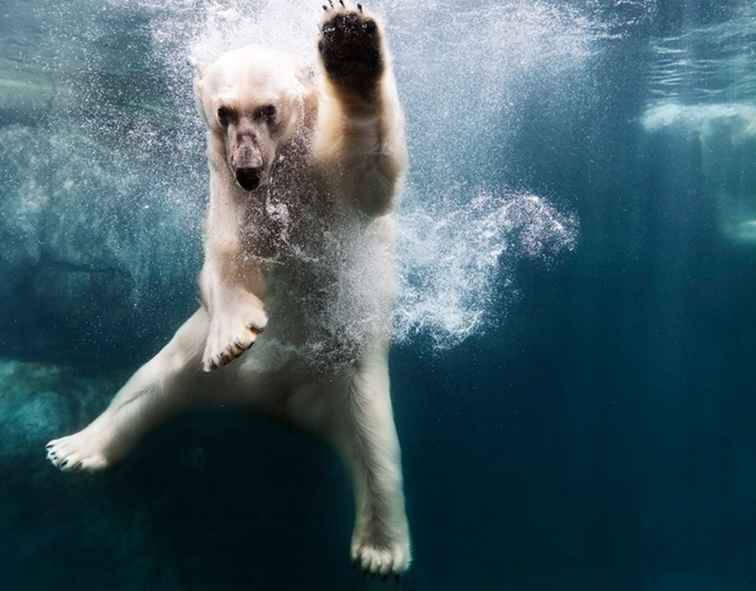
(252,100)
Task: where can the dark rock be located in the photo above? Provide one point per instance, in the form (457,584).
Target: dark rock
(98,256)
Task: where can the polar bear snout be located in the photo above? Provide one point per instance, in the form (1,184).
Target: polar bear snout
(247,164)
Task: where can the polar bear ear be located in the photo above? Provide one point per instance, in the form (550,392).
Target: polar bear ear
(306,75)
(192,61)
(198,72)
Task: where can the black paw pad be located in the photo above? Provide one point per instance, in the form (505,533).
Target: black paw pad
(350,47)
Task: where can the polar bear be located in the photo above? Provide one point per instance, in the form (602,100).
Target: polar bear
(304,170)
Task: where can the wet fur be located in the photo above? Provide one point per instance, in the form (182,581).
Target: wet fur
(273,261)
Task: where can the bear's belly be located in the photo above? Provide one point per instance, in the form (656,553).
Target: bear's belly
(329,285)
(325,314)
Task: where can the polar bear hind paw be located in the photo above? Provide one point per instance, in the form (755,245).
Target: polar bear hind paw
(350,46)
(383,561)
(82,451)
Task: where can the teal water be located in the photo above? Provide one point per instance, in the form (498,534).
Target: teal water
(573,367)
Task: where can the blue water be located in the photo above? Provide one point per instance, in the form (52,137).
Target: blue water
(572,372)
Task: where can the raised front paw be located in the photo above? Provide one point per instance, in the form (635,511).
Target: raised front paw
(350,46)
(234,327)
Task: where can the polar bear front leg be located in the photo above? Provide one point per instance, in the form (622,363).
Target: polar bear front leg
(360,128)
(228,286)
(170,382)
(381,541)
(237,317)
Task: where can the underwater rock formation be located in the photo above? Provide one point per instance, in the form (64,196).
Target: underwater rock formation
(95,261)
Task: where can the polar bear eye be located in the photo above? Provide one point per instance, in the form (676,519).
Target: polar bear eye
(266,113)
(226,115)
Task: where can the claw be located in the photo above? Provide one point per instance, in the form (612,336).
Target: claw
(331,3)
(359,7)
(342,3)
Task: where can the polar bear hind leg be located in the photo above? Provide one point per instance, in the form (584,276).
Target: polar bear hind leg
(360,424)
(170,382)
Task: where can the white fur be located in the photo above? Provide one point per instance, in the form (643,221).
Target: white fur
(310,250)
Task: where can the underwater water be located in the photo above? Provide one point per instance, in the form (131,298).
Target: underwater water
(572,369)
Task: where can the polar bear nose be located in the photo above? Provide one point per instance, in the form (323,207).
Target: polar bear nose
(248,177)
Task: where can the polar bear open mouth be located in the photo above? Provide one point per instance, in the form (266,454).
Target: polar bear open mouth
(248,178)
